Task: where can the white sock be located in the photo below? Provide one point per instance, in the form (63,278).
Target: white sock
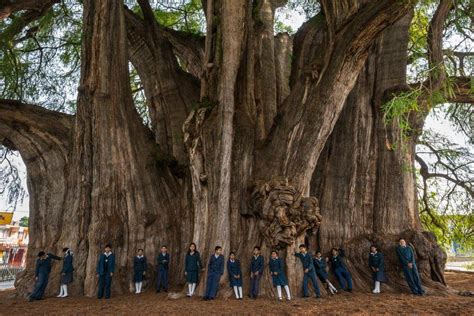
(236,291)
(61,292)
(137,288)
(377,287)
(64,290)
(279,291)
(287,290)
(193,288)
(240,292)
(190,289)
(332,288)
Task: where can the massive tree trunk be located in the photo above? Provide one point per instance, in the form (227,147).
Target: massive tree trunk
(242,145)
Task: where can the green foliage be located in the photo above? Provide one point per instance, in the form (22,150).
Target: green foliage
(186,15)
(24,221)
(280,27)
(469,266)
(41,63)
(451,230)
(400,108)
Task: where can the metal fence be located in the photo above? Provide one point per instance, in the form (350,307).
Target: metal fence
(8,272)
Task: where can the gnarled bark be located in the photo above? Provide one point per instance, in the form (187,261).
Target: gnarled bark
(253,142)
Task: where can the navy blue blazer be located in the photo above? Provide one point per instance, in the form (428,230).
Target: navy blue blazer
(43,266)
(67,263)
(106,264)
(163,260)
(257,264)
(216,265)
(192,262)
(306,260)
(405,255)
(139,264)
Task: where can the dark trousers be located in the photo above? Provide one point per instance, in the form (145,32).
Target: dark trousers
(162,279)
(310,276)
(40,286)
(105,282)
(413,280)
(212,285)
(255,285)
(344,278)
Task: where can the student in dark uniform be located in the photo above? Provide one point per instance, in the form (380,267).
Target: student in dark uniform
(105,271)
(66,272)
(235,275)
(308,269)
(139,270)
(42,271)
(278,275)
(215,269)
(377,265)
(321,271)
(162,264)
(256,271)
(340,269)
(407,259)
(192,266)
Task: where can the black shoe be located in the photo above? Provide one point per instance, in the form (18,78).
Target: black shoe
(31,299)
(157,291)
(318,296)
(205,298)
(165,290)
(305,296)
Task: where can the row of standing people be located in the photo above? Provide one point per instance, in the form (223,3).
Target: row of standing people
(313,267)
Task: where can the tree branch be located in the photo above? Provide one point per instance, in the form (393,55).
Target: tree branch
(188,47)
(34,9)
(307,125)
(26,127)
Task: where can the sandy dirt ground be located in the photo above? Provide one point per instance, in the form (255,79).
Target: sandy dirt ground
(150,303)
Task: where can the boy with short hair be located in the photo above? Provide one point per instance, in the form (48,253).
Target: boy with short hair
(215,269)
(256,271)
(162,263)
(407,259)
(42,271)
(105,271)
(308,269)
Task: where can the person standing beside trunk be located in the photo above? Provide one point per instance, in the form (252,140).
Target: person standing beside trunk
(215,269)
(192,266)
(308,270)
(139,270)
(256,271)
(162,262)
(235,275)
(278,275)
(105,271)
(377,265)
(320,266)
(42,271)
(340,269)
(66,272)
(407,260)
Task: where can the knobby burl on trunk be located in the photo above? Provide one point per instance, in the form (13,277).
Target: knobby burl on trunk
(245,148)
